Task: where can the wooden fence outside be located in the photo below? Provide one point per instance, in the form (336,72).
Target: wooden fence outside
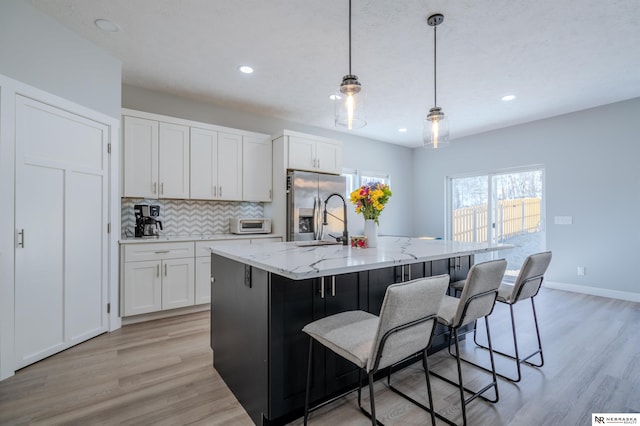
(513,217)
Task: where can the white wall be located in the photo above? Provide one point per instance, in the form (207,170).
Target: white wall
(48,59)
(591,161)
(358,153)
(37,50)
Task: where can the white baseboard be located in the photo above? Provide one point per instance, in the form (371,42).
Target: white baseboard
(594,291)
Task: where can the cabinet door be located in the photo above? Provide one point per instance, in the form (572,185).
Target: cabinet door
(140,158)
(379,280)
(229,166)
(342,294)
(328,157)
(177,283)
(142,287)
(203,280)
(293,305)
(204,164)
(256,169)
(173,160)
(302,153)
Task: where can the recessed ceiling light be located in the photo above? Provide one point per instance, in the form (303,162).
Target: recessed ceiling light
(402,130)
(107,25)
(335,97)
(507,98)
(246,69)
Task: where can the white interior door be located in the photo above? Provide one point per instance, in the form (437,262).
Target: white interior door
(61,218)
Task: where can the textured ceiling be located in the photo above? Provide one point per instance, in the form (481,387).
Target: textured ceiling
(555,56)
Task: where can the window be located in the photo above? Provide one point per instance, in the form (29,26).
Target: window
(367,177)
(499,207)
(353,180)
(356,179)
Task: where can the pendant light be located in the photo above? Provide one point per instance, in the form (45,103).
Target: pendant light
(435,132)
(349,105)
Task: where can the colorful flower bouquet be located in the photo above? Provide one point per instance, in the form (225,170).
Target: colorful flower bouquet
(370,199)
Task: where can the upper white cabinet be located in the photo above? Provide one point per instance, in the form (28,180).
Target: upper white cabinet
(315,155)
(156,159)
(230,173)
(173,161)
(257,169)
(216,165)
(166,157)
(140,163)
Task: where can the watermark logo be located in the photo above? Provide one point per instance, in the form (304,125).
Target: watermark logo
(615,419)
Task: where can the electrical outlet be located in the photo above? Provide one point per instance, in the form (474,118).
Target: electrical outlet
(581,271)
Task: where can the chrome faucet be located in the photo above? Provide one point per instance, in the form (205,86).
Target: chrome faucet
(345,234)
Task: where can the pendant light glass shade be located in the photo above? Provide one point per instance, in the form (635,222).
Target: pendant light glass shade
(435,130)
(349,103)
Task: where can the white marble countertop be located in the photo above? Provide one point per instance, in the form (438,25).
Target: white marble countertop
(195,237)
(298,262)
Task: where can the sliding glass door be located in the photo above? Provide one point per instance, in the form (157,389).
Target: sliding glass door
(499,207)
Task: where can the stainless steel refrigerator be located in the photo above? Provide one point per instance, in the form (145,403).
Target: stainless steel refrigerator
(306,195)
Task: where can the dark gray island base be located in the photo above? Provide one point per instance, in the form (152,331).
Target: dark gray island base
(257,316)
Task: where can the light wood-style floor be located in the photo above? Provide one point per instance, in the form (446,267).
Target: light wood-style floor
(160,373)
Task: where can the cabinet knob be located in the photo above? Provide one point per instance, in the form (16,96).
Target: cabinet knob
(213,279)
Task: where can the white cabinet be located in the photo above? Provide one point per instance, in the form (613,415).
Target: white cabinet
(216,165)
(315,155)
(257,169)
(140,162)
(166,275)
(142,287)
(157,276)
(203,267)
(173,161)
(203,263)
(230,166)
(168,157)
(156,159)
(178,283)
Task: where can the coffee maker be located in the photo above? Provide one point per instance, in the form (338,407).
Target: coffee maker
(147,224)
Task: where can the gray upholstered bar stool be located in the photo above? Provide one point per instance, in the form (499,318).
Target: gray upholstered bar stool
(476,301)
(526,286)
(405,327)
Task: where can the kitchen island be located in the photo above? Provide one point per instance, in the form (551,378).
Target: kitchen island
(263,295)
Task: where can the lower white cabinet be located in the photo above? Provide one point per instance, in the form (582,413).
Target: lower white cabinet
(203,267)
(157,276)
(177,283)
(142,287)
(161,276)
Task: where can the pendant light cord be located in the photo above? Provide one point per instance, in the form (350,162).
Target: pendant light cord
(349,37)
(435,96)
